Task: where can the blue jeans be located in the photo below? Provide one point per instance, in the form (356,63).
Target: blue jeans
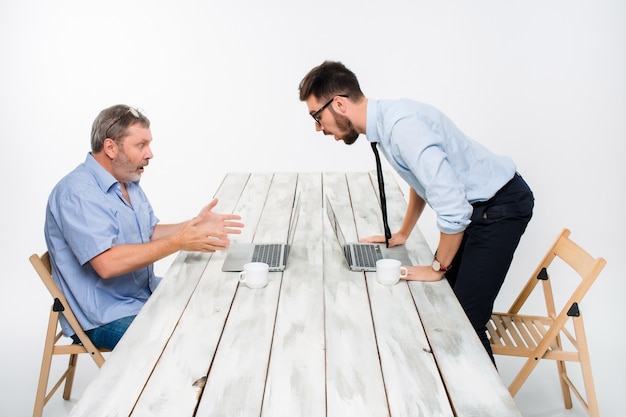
(108,335)
(483,260)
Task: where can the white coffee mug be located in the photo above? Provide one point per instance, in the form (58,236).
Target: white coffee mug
(389,271)
(254,274)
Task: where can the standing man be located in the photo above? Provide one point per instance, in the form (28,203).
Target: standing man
(102,234)
(482,204)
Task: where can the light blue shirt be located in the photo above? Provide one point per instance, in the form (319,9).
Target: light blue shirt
(85,216)
(448,169)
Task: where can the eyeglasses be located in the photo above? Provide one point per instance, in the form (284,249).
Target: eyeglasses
(134,112)
(316,115)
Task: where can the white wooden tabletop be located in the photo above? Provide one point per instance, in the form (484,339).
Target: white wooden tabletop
(318,340)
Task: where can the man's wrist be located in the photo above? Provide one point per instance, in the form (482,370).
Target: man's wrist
(438,267)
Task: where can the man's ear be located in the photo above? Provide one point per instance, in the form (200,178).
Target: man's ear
(341,103)
(110,148)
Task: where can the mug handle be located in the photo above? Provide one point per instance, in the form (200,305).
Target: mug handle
(242,275)
(403,272)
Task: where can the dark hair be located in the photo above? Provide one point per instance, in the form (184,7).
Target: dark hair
(329,79)
(113,122)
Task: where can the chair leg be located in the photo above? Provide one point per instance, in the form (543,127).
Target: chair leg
(562,374)
(567,395)
(522,375)
(46,362)
(585,366)
(69,380)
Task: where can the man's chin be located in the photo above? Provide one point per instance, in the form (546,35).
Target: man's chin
(349,139)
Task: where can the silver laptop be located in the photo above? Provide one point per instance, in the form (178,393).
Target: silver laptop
(363,256)
(273,254)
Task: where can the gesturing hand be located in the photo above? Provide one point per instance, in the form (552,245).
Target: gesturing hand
(218,223)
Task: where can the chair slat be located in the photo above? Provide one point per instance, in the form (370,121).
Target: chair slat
(512,330)
(506,340)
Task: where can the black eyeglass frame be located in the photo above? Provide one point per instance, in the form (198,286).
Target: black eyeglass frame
(133,111)
(316,115)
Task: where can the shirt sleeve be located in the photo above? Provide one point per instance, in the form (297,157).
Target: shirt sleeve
(422,149)
(89,226)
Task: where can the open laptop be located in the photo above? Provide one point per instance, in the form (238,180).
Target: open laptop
(363,256)
(273,254)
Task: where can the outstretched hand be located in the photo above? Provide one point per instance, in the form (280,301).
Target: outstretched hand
(208,231)
(227,223)
(196,236)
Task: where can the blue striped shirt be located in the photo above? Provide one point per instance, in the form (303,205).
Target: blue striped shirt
(85,216)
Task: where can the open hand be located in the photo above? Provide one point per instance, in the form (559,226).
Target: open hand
(227,223)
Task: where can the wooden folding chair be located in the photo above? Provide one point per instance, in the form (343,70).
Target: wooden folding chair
(53,335)
(540,337)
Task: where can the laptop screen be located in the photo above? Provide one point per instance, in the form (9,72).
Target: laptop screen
(334,223)
(294,221)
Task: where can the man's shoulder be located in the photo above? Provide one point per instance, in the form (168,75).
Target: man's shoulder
(77,181)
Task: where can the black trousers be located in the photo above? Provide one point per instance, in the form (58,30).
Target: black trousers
(483,260)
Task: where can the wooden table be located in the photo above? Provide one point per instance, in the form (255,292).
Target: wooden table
(319,340)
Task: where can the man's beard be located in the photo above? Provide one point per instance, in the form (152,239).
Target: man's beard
(351,135)
(126,168)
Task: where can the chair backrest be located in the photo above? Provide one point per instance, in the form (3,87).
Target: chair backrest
(586,267)
(44,270)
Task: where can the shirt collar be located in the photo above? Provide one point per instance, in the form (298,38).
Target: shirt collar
(371,125)
(103,177)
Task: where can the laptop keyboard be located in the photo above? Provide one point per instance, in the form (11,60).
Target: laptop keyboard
(366,255)
(268,253)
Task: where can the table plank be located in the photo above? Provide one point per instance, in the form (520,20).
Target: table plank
(250,205)
(247,335)
(142,345)
(355,384)
(296,380)
(465,366)
(412,380)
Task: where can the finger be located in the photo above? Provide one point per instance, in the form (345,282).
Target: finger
(216,235)
(209,206)
(218,244)
(230,223)
(232,230)
(373,239)
(212,204)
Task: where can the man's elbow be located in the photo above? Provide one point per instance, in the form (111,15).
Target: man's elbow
(102,267)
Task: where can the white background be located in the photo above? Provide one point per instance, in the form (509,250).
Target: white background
(541,81)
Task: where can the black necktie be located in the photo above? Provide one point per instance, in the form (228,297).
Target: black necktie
(381,190)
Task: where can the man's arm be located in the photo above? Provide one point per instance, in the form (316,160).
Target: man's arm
(207,232)
(123,259)
(414,210)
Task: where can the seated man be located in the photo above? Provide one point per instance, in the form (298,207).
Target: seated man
(103,236)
